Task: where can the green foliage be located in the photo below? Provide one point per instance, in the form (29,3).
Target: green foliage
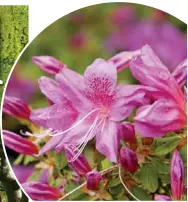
(13,37)
(149,177)
(165,145)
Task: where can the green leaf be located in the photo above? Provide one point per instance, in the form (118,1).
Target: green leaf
(166,145)
(149,177)
(19,159)
(28,159)
(35,175)
(165,178)
(77,195)
(161,168)
(183,153)
(60,160)
(89,152)
(141,194)
(116,190)
(106,164)
(113,182)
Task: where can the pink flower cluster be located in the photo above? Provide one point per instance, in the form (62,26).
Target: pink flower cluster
(94,105)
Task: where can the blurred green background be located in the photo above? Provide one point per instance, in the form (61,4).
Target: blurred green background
(78,38)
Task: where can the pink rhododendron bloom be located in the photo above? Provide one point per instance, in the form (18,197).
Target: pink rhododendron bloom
(169,101)
(87,106)
(15,107)
(177,176)
(18,143)
(135,35)
(41,192)
(48,64)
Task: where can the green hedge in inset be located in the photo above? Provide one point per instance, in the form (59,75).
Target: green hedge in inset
(13,37)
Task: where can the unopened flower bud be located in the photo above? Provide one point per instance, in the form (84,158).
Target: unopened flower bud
(41,192)
(93,179)
(177,176)
(48,64)
(80,164)
(15,107)
(128,159)
(18,143)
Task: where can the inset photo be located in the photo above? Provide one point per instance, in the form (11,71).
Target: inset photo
(13,38)
(95,108)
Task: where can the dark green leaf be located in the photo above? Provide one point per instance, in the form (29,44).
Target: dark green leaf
(60,160)
(141,194)
(149,177)
(165,145)
(183,153)
(114,182)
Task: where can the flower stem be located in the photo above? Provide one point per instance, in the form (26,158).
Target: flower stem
(83,184)
(126,186)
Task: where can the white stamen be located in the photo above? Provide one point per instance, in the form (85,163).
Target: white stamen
(89,135)
(37,135)
(76,124)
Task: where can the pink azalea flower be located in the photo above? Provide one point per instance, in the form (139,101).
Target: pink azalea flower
(18,143)
(41,192)
(177,176)
(87,106)
(168,112)
(135,35)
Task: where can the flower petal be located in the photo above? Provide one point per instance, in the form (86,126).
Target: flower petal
(100,80)
(180,73)
(52,90)
(72,84)
(122,59)
(151,72)
(57,117)
(159,118)
(73,136)
(130,96)
(107,141)
(161,197)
